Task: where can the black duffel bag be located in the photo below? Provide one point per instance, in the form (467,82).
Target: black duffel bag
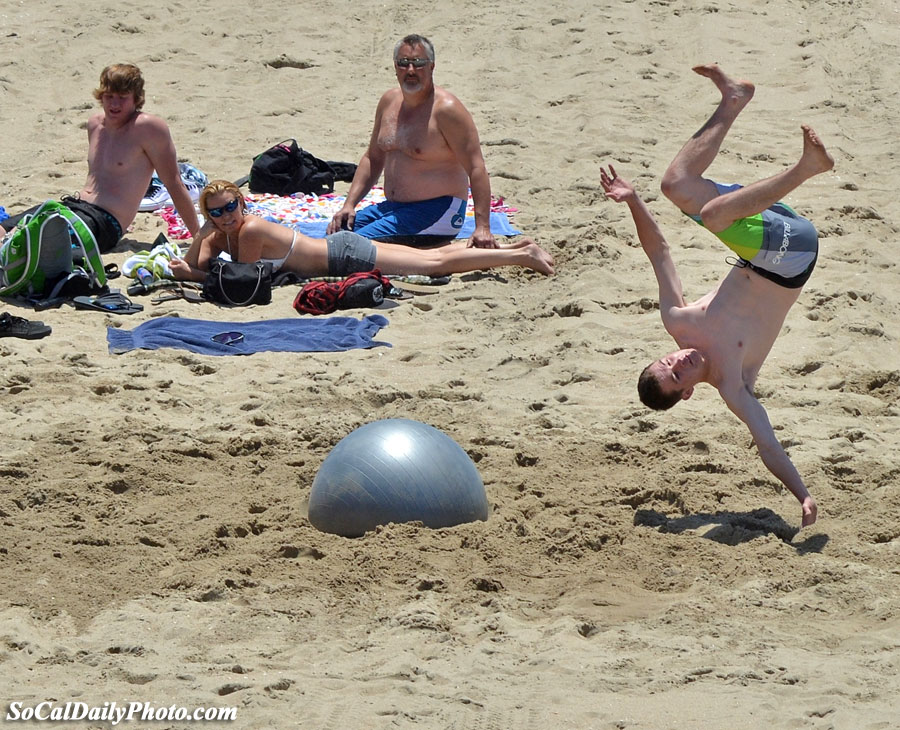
(286,168)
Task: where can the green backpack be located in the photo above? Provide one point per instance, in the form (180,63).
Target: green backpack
(43,246)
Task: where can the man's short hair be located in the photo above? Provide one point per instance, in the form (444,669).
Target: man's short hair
(414,39)
(652,395)
(121,78)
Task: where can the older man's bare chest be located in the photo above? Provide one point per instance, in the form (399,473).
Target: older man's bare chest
(412,132)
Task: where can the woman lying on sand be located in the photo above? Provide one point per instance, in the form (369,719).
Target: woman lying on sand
(247,238)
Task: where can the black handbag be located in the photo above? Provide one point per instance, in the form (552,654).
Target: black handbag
(239,284)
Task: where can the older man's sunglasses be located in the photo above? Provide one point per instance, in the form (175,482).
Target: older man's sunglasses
(416,62)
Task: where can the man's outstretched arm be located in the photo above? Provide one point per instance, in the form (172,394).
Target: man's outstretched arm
(746,407)
(652,240)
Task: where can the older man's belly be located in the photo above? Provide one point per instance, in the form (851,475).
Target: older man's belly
(408,180)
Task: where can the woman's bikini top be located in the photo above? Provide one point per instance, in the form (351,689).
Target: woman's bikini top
(278,263)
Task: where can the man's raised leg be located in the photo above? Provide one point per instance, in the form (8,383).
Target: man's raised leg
(723,210)
(683,182)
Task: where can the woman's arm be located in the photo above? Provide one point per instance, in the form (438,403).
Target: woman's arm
(203,249)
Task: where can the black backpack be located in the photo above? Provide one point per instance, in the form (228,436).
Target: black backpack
(286,168)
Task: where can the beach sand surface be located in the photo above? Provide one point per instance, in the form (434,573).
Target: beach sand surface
(638,570)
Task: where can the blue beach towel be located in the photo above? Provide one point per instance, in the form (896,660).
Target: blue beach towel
(322,334)
(500,226)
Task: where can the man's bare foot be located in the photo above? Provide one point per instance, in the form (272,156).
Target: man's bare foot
(815,158)
(734,91)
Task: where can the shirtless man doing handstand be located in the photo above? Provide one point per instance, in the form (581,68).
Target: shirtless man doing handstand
(726,335)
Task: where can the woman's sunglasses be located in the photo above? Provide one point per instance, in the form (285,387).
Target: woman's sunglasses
(222,209)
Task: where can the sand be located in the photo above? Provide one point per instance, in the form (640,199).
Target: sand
(638,570)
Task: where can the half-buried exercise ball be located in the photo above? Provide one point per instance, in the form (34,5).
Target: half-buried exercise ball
(395,470)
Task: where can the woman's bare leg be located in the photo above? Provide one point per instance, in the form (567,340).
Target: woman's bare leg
(457,258)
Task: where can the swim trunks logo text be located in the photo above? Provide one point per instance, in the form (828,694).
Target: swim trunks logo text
(784,244)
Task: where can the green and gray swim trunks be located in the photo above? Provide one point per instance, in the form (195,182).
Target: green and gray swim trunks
(778,243)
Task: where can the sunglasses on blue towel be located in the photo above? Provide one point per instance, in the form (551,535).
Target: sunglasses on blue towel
(228,338)
(222,209)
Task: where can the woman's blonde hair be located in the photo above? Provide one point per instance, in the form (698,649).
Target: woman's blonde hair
(214,187)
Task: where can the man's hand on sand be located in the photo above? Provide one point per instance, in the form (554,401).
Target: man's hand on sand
(483,238)
(615,187)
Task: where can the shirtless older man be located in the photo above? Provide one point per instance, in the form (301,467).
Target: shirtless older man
(726,335)
(426,143)
(125,146)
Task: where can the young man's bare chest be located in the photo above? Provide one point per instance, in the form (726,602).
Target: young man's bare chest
(738,323)
(112,150)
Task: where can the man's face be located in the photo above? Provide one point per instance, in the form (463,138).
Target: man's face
(412,78)
(679,371)
(118,108)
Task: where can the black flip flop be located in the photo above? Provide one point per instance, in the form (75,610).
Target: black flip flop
(114,303)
